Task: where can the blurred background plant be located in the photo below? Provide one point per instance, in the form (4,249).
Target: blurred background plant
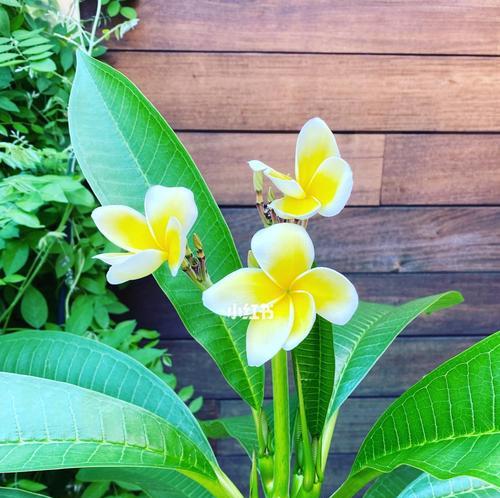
(48,279)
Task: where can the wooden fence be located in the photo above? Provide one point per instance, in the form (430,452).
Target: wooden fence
(412,91)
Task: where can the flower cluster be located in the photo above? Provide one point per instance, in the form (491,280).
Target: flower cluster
(280,293)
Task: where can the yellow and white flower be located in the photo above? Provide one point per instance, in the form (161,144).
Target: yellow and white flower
(323,181)
(150,240)
(283,295)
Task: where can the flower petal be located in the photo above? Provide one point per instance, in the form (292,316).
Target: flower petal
(267,334)
(161,203)
(125,227)
(335,297)
(304,315)
(241,293)
(285,183)
(315,143)
(331,185)
(113,258)
(301,209)
(283,251)
(258,165)
(175,244)
(137,266)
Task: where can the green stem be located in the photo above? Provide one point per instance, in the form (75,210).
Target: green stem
(326,439)
(92,41)
(281,426)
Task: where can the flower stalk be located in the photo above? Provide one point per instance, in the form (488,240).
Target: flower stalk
(281,426)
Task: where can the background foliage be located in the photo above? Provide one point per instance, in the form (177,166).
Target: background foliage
(48,279)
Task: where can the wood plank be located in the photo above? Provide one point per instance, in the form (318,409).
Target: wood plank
(194,366)
(396,239)
(441,169)
(223,158)
(337,468)
(280,92)
(381,26)
(355,420)
(478,315)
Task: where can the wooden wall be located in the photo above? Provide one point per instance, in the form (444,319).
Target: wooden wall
(412,91)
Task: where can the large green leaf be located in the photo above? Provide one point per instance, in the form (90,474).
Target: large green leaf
(45,424)
(86,363)
(124,146)
(391,484)
(314,363)
(18,493)
(426,486)
(154,482)
(447,424)
(359,344)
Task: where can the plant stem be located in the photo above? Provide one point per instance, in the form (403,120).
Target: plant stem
(354,484)
(92,41)
(281,426)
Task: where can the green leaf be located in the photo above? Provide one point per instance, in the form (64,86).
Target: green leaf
(156,483)
(44,66)
(4,22)
(92,365)
(121,127)
(114,8)
(5,103)
(446,424)
(18,493)
(14,256)
(128,12)
(46,424)
(427,486)
(314,363)
(10,3)
(391,484)
(359,344)
(81,314)
(34,307)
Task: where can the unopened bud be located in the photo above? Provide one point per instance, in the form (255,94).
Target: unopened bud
(270,195)
(185,265)
(197,242)
(258,181)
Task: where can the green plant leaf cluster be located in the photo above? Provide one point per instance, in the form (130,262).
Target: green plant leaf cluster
(48,279)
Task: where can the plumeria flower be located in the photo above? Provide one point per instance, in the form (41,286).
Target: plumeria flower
(323,181)
(149,240)
(283,295)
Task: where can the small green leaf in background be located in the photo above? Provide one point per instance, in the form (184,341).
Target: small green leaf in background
(29,485)
(34,307)
(96,490)
(128,12)
(80,317)
(14,256)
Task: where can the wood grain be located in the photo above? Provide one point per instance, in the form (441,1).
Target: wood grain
(479,314)
(351,92)
(380,26)
(441,169)
(223,158)
(419,169)
(399,239)
(406,361)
